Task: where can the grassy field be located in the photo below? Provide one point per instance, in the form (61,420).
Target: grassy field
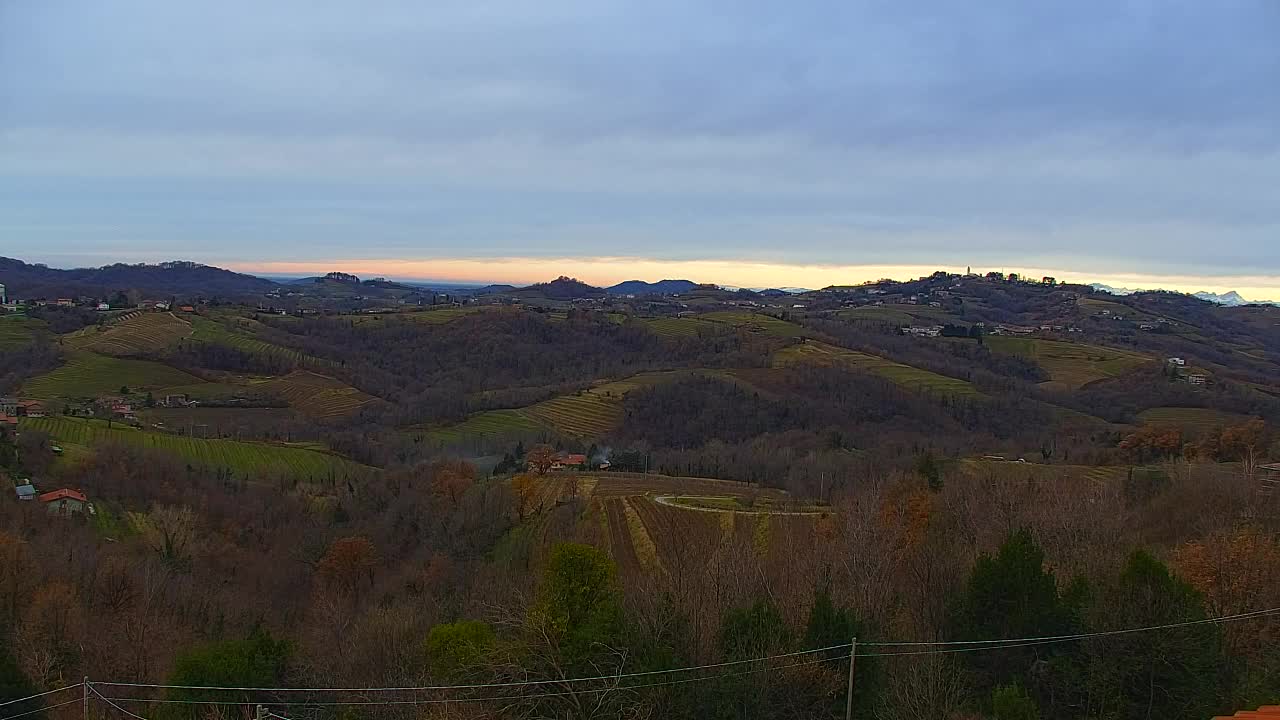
(257,460)
(756,323)
(316,395)
(1192,421)
(19,331)
(1070,365)
(818,353)
(219,334)
(138,333)
(88,375)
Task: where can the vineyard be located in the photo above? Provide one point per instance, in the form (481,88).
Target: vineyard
(595,411)
(316,395)
(18,331)
(756,323)
(1192,421)
(1070,365)
(137,333)
(257,460)
(216,333)
(486,424)
(672,328)
(89,375)
(913,378)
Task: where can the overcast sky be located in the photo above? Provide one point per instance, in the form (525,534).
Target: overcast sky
(745,140)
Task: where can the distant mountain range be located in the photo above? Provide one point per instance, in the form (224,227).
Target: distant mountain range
(1230,299)
(167,278)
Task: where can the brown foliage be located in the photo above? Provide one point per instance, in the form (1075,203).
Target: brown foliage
(349,562)
(541,458)
(1236,572)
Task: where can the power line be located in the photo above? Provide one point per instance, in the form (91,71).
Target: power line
(1082,636)
(108,701)
(46,692)
(523,683)
(492,698)
(40,709)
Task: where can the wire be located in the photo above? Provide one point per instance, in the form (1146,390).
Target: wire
(535,696)
(46,692)
(1080,636)
(483,685)
(108,701)
(41,709)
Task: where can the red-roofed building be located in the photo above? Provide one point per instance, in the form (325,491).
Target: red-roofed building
(1266,711)
(65,501)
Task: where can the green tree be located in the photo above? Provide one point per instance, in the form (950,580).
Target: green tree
(746,633)
(456,649)
(927,468)
(14,683)
(578,601)
(1011,702)
(1177,672)
(257,660)
(1010,595)
(831,626)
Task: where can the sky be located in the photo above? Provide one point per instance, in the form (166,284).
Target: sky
(743,142)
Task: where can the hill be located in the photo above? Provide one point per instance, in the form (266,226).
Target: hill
(563,288)
(185,279)
(662,287)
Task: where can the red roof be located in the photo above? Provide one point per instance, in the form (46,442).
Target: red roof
(1266,711)
(63,493)
(575,459)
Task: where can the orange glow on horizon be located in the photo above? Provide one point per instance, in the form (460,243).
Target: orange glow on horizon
(605,271)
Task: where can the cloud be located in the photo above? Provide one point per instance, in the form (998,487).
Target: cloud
(1100,135)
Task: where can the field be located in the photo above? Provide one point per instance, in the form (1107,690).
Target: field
(588,413)
(257,460)
(1070,365)
(218,334)
(138,333)
(818,353)
(316,395)
(756,323)
(486,424)
(671,328)
(89,375)
(877,313)
(18,331)
(1192,421)
(438,316)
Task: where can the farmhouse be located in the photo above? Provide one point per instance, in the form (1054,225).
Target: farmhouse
(1176,361)
(923,330)
(64,302)
(25,492)
(8,406)
(569,460)
(66,502)
(103,307)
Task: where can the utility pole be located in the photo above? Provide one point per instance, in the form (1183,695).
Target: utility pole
(84,700)
(848,698)
(260,714)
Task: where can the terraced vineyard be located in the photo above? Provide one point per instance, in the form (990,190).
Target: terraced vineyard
(677,327)
(438,316)
(137,333)
(316,395)
(757,323)
(589,413)
(487,424)
(877,313)
(216,333)
(819,353)
(1070,365)
(19,331)
(261,461)
(89,375)
(1192,421)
